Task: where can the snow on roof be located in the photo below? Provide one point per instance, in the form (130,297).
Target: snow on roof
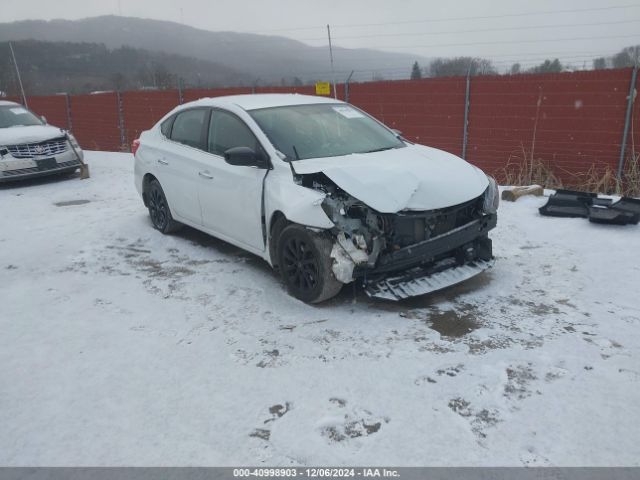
(263,100)
(5,103)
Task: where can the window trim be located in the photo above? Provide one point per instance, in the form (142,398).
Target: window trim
(204,133)
(169,121)
(263,150)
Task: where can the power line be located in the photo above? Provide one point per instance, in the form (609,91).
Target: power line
(449,19)
(502,42)
(484,17)
(533,27)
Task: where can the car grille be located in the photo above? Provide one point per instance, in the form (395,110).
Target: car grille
(48,148)
(26,171)
(412,227)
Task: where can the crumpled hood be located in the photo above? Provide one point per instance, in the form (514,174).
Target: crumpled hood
(411,178)
(31,134)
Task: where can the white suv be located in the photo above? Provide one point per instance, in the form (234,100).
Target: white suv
(322,191)
(31,148)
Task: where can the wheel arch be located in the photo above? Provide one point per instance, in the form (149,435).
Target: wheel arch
(146,181)
(277,223)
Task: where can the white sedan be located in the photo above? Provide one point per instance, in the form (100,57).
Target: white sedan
(31,148)
(322,191)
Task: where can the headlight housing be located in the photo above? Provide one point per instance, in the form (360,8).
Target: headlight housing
(491,196)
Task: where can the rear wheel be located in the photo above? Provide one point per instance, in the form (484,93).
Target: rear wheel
(304,261)
(159,209)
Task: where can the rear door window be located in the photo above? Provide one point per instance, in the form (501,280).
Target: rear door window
(189,128)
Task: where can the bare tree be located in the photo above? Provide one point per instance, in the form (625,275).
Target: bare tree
(448,67)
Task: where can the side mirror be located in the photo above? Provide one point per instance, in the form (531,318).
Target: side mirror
(44,119)
(244,157)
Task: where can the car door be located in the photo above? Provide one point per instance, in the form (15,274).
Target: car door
(178,165)
(231,196)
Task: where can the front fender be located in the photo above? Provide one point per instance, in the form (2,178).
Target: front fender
(299,204)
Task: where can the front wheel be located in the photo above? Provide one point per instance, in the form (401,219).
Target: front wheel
(159,209)
(304,260)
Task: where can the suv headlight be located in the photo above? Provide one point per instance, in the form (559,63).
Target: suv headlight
(491,196)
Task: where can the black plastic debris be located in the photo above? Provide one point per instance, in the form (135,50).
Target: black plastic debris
(567,203)
(572,204)
(623,212)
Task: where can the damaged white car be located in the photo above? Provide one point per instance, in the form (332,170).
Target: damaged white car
(322,191)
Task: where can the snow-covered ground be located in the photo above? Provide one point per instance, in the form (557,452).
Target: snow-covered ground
(121,346)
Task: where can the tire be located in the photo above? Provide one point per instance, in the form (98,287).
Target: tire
(159,209)
(304,260)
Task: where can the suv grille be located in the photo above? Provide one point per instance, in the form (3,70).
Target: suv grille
(47,148)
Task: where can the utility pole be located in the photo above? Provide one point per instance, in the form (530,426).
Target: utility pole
(627,118)
(15,63)
(333,73)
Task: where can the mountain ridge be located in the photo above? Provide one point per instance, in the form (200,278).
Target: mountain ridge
(268,58)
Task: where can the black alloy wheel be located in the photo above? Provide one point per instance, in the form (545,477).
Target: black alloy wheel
(305,263)
(159,209)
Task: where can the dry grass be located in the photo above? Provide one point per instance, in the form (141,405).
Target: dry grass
(526,170)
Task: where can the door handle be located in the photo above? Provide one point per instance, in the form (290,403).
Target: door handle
(163,162)
(206,175)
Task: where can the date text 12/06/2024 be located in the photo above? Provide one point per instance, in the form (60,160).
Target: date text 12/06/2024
(316,472)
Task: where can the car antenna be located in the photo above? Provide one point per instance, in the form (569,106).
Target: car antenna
(15,64)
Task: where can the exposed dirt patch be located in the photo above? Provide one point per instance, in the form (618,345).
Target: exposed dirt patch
(479,420)
(453,323)
(270,360)
(353,429)
(261,433)
(518,380)
(70,203)
(278,411)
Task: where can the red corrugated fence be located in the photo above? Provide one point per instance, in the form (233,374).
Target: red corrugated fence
(570,121)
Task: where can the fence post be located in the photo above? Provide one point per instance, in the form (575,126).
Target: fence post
(123,139)
(180,92)
(346,87)
(67,99)
(466,116)
(627,120)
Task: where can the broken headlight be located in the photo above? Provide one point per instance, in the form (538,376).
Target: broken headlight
(491,196)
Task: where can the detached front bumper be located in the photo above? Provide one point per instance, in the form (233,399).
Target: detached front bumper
(433,264)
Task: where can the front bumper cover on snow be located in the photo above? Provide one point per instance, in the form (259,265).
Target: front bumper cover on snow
(433,264)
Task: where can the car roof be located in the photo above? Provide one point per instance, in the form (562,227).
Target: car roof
(6,103)
(262,100)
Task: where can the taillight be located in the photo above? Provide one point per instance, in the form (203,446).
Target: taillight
(135,145)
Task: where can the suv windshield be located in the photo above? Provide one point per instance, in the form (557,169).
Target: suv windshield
(326,130)
(17,116)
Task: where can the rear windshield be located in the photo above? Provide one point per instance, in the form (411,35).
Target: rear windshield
(17,116)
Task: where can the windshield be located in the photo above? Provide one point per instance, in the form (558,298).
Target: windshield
(17,116)
(326,130)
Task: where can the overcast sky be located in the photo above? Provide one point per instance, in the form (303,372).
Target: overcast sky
(503,30)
